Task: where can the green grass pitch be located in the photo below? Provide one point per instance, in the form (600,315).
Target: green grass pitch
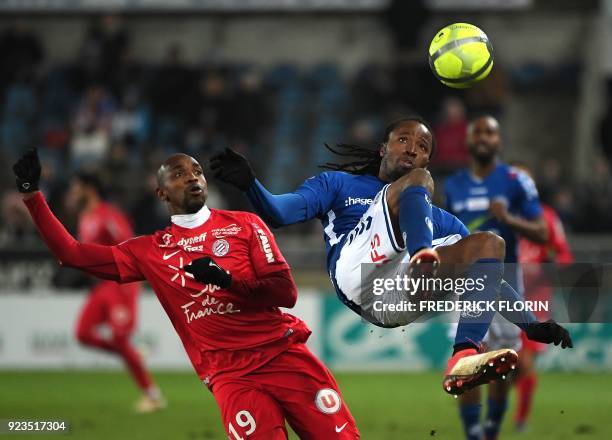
(385,405)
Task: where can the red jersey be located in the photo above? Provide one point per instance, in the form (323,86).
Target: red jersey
(222,331)
(538,286)
(556,249)
(105,225)
(230,331)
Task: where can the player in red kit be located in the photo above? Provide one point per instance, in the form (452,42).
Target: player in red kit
(537,288)
(109,302)
(221,280)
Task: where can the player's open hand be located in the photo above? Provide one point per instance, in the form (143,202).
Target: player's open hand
(206,271)
(27,172)
(232,167)
(549,332)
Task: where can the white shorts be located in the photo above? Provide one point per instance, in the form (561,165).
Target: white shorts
(373,242)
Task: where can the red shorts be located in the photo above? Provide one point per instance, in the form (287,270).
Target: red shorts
(111,303)
(294,386)
(528,344)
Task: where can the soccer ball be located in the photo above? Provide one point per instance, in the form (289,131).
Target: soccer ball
(460,55)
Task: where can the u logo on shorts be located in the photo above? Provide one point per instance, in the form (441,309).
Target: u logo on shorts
(328,401)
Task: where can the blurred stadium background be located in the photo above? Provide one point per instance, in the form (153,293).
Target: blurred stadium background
(116,89)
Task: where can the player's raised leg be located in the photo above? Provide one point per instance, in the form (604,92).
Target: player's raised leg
(249,412)
(411,215)
(483,253)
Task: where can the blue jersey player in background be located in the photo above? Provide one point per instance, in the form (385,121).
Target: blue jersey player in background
(377,210)
(492,196)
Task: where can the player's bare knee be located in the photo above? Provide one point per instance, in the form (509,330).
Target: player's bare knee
(489,245)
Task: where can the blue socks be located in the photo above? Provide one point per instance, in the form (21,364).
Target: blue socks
(470,416)
(520,318)
(472,326)
(415,220)
(495,415)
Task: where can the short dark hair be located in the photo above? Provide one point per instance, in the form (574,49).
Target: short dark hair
(92,180)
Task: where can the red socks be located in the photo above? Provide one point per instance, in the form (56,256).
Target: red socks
(525,386)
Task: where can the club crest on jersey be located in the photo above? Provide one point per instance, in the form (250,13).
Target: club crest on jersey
(167,241)
(220,247)
(328,401)
(225,231)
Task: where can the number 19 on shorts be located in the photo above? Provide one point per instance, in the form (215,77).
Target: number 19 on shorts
(245,420)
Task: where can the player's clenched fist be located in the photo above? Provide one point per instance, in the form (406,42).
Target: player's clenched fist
(233,168)
(205,270)
(27,172)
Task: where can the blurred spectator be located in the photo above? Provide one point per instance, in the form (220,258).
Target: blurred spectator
(250,110)
(21,52)
(129,120)
(169,90)
(605,125)
(549,177)
(491,95)
(20,110)
(450,131)
(105,44)
(416,87)
(212,110)
(128,74)
(57,104)
(405,20)
(594,200)
(97,106)
(17,226)
(564,204)
(120,176)
(363,133)
(372,90)
(91,127)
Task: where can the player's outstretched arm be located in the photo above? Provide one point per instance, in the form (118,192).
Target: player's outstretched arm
(278,210)
(95,259)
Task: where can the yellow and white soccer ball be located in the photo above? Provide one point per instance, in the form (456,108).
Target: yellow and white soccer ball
(460,55)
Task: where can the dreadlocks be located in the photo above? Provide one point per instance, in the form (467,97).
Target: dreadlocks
(368,159)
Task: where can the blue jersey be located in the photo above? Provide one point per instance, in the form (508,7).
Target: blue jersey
(340,199)
(469,197)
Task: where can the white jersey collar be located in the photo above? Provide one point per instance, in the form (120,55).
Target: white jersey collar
(191,221)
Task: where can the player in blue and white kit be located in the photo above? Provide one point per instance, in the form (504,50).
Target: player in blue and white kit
(378,210)
(493,196)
